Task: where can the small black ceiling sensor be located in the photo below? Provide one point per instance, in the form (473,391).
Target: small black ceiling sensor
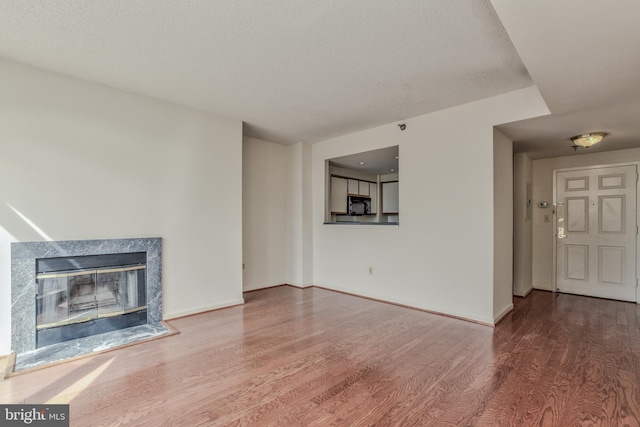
(402,126)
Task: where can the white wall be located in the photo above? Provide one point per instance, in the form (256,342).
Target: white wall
(522,227)
(266,213)
(300,237)
(543,233)
(83,161)
(441,256)
(277,234)
(502,224)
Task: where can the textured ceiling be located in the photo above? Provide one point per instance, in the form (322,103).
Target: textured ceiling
(584,56)
(292,70)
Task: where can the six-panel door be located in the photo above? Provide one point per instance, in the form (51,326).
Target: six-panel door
(596,232)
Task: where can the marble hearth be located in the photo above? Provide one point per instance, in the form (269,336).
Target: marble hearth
(24,256)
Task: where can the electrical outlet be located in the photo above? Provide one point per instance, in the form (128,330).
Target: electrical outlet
(370,270)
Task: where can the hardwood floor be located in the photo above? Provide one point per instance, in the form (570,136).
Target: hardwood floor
(313,357)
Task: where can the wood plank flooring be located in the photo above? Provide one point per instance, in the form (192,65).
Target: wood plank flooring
(313,357)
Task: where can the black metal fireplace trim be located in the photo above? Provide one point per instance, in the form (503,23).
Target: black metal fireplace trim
(48,265)
(58,334)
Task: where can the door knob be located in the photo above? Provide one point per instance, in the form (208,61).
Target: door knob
(561,234)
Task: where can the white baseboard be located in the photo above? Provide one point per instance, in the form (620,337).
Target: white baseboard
(503,313)
(297,285)
(202,309)
(487,321)
(274,285)
(264,286)
(525,292)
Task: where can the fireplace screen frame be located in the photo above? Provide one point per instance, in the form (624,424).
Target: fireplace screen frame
(80,296)
(89,294)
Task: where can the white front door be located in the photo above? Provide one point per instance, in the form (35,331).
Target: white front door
(596,232)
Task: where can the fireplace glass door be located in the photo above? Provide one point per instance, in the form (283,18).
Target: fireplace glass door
(68,297)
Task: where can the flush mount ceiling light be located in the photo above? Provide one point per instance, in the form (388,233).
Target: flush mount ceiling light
(363,163)
(587,140)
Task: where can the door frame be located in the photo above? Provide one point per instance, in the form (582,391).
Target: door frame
(555,222)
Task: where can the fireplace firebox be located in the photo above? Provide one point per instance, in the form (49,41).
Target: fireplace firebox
(87,295)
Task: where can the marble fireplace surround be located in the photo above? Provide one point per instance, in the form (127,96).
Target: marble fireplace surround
(23,268)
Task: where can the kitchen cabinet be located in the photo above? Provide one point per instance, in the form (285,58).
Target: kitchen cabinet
(363,188)
(356,187)
(390,197)
(341,188)
(338,195)
(373,193)
(353,187)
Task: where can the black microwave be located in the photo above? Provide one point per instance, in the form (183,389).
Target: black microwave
(359,205)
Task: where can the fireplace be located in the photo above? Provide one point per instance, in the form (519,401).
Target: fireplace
(77,289)
(88,295)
